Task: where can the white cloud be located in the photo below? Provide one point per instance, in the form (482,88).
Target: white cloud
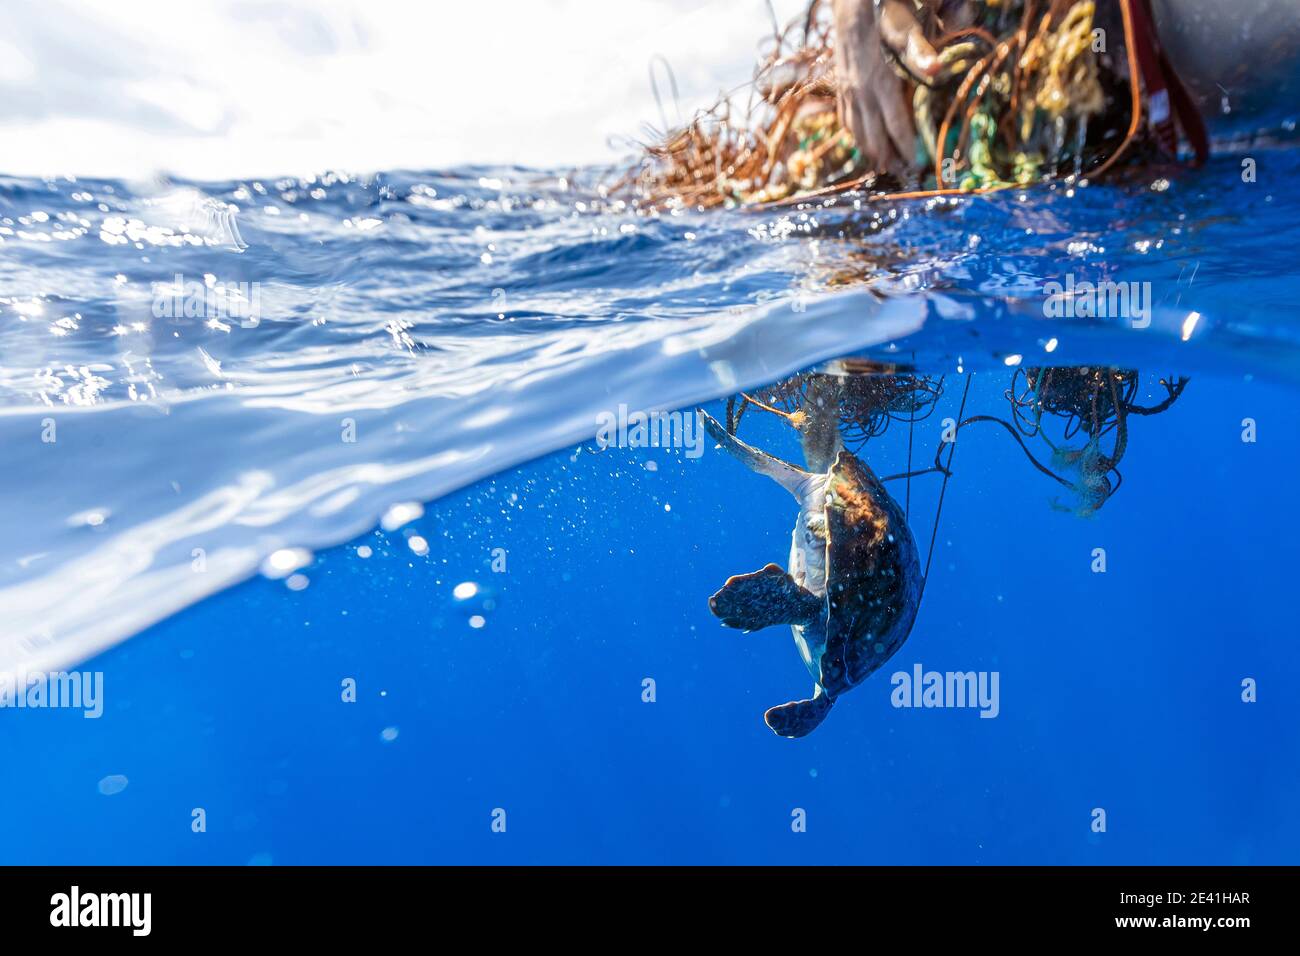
(216,88)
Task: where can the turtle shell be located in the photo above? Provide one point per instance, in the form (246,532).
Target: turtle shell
(873,577)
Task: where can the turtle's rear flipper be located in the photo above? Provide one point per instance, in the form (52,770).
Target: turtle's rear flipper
(763,598)
(799,717)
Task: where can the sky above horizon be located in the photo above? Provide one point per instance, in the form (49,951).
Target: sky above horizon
(215,89)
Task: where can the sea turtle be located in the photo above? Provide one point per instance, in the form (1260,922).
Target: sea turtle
(851,593)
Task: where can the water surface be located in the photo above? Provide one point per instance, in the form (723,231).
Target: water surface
(449,338)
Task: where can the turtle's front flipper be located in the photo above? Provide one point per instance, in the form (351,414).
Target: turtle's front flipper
(763,598)
(795,480)
(799,717)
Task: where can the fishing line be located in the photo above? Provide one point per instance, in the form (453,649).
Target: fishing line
(947,473)
(1023,447)
(672,83)
(911,430)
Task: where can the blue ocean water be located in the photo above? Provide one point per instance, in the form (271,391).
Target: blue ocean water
(365,462)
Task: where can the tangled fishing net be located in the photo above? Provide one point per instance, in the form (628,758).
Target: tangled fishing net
(1019,97)
(1078,416)
(1090,408)
(867,397)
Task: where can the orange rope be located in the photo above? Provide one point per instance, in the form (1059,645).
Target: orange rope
(965,32)
(997,55)
(982,87)
(767,408)
(962,92)
(1134,86)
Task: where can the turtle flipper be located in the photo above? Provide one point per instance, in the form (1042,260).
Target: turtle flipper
(763,598)
(794,480)
(799,717)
